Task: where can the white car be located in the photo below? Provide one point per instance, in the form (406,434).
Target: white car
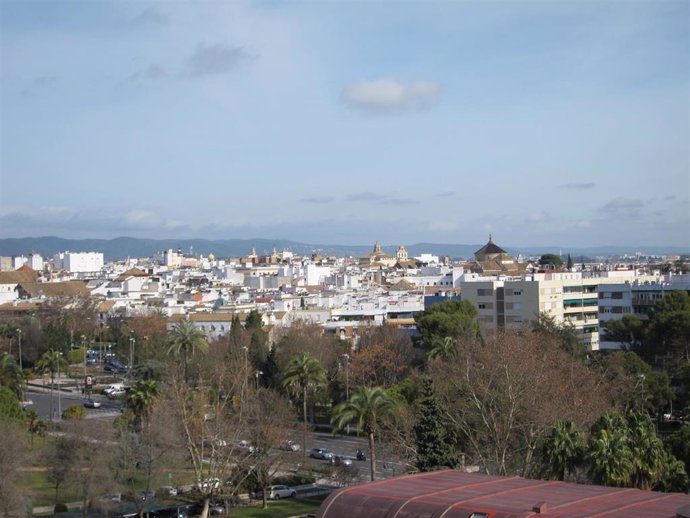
(92,403)
(246,446)
(212,483)
(278,492)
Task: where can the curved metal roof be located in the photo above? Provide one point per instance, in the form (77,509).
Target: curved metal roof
(454,494)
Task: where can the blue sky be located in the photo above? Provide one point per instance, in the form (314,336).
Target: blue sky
(545,123)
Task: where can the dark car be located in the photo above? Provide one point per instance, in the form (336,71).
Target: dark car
(169,512)
(214,508)
(111,367)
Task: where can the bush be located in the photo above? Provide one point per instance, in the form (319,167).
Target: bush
(76,356)
(60,508)
(74,412)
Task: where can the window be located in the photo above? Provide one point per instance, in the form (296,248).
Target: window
(481,306)
(517,293)
(479,515)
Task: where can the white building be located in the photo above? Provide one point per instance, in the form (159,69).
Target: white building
(79,262)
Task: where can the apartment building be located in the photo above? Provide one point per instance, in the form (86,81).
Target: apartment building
(635,298)
(569,297)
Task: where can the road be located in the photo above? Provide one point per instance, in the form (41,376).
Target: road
(41,403)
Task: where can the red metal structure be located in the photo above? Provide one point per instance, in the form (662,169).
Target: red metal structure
(454,494)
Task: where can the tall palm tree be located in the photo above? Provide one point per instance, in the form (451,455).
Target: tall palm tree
(563,449)
(609,457)
(647,451)
(51,362)
(368,409)
(11,375)
(443,348)
(185,339)
(303,374)
(140,398)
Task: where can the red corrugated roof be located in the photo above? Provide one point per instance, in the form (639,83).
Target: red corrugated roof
(454,494)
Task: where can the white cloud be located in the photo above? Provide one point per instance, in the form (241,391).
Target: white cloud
(142,219)
(389,96)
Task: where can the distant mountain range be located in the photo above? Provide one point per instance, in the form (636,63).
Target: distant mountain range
(123,247)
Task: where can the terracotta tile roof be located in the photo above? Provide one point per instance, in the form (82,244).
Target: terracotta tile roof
(56,289)
(18,276)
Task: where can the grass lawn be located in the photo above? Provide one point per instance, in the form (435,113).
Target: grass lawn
(281,508)
(42,492)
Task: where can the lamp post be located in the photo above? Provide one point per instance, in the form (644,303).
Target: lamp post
(257,374)
(132,341)
(59,355)
(21,367)
(83,346)
(346,357)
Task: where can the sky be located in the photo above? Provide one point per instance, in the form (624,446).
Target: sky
(560,123)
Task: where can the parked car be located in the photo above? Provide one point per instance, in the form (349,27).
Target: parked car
(278,492)
(321,453)
(290,446)
(109,367)
(246,446)
(214,508)
(169,512)
(341,460)
(209,483)
(146,495)
(112,387)
(169,490)
(90,403)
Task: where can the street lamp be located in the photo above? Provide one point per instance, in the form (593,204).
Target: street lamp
(346,357)
(21,367)
(132,341)
(257,374)
(59,360)
(83,346)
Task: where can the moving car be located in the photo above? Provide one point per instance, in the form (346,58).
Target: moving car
(278,492)
(90,403)
(321,453)
(341,460)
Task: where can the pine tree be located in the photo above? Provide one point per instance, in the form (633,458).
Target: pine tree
(435,442)
(569,263)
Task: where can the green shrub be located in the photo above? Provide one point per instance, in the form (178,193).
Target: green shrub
(74,412)
(76,356)
(60,508)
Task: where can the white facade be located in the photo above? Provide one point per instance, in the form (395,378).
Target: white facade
(79,262)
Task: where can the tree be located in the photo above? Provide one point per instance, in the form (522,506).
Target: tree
(451,318)
(566,334)
(11,375)
(51,362)
(629,331)
(563,449)
(505,393)
(369,409)
(59,458)
(254,320)
(669,326)
(12,457)
(184,340)
(304,374)
(443,348)
(433,437)
(609,457)
(140,399)
(569,263)
(551,260)
(678,443)
(10,406)
(74,412)
(384,357)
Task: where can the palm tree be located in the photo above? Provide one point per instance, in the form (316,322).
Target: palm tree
(368,409)
(443,348)
(647,451)
(609,457)
(11,375)
(303,374)
(186,339)
(140,398)
(51,362)
(563,449)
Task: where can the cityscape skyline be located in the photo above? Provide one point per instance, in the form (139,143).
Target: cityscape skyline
(543,123)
